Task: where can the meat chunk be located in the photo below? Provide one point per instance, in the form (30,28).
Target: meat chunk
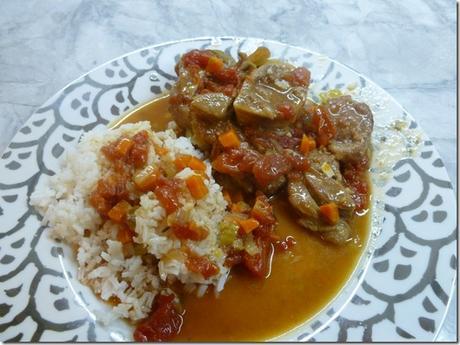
(323,161)
(275,91)
(301,199)
(339,233)
(211,106)
(325,190)
(353,122)
(208,81)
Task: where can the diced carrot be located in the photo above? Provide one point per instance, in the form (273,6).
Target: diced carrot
(186,161)
(249,225)
(229,139)
(181,161)
(119,211)
(214,65)
(329,213)
(123,146)
(146,179)
(125,235)
(307,144)
(196,186)
(196,164)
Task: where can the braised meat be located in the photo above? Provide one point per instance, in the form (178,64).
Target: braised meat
(253,119)
(275,91)
(353,122)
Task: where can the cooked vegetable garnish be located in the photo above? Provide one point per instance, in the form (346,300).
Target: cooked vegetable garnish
(124,146)
(189,231)
(196,186)
(214,65)
(229,139)
(119,211)
(329,213)
(249,225)
(228,232)
(146,179)
(125,235)
(307,144)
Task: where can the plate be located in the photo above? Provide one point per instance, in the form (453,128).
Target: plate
(399,291)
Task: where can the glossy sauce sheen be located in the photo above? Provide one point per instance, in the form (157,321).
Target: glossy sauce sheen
(301,283)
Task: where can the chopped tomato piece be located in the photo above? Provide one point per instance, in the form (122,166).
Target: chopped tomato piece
(329,213)
(324,126)
(189,232)
(167,191)
(139,152)
(123,147)
(355,179)
(307,144)
(108,192)
(228,76)
(236,161)
(201,265)
(259,264)
(249,225)
(125,235)
(146,179)
(229,139)
(234,258)
(119,211)
(196,57)
(214,65)
(262,210)
(269,168)
(163,323)
(196,186)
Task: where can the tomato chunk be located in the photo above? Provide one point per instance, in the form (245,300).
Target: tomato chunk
(262,210)
(201,265)
(324,126)
(167,191)
(269,168)
(197,58)
(259,264)
(163,323)
(189,232)
(139,152)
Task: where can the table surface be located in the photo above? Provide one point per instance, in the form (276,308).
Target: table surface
(406,47)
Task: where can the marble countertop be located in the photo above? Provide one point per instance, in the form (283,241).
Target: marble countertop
(407,47)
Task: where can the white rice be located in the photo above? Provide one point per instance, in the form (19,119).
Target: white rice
(63,203)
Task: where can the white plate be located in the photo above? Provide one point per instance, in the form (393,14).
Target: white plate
(399,291)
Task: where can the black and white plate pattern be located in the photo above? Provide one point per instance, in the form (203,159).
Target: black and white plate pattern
(399,291)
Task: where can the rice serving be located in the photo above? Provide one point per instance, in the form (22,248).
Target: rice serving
(131,276)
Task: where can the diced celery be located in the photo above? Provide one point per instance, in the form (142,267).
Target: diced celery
(228,232)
